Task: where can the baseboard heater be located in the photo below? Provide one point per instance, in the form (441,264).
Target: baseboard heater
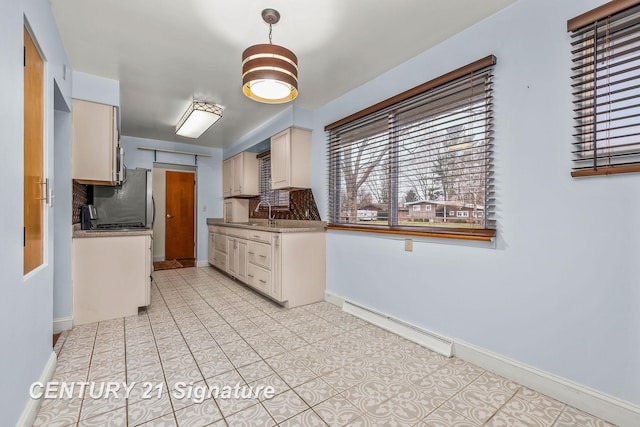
(420,336)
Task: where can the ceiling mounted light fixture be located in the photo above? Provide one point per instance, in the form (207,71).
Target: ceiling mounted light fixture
(198,118)
(269,71)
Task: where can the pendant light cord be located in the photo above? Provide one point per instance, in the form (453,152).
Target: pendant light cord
(270,31)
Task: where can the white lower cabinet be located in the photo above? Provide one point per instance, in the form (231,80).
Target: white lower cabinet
(111,277)
(289,267)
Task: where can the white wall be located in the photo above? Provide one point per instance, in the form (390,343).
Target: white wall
(560,289)
(209,177)
(62,228)
(26,310)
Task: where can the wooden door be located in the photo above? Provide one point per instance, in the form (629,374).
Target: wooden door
(34,188)
(180,215)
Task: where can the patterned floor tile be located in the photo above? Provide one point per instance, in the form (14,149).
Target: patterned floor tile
(307,418)
(315,391)
(199,414)
(284,406)
(115,418)
(148,409)
(337,411)
(252,416)
(573,417)
(275,384)
(205,330)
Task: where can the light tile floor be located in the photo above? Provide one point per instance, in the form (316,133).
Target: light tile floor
(325,366)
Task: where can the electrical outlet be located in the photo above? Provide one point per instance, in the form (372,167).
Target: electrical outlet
(408,245)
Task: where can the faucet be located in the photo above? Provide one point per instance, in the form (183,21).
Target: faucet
(272,221)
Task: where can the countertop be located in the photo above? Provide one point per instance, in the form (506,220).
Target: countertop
(281,225)
(80,234)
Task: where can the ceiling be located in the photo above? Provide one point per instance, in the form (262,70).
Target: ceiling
(166,52)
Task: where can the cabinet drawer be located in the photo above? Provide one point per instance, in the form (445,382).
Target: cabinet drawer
(221,243)
(218,230)
(221,260)
(261,236)
(238,232)
(259,254)
(259,278)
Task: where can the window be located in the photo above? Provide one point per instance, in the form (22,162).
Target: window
(416,208)
(276,198)
(431,143)
(462,214)
(427,208)
(606,87)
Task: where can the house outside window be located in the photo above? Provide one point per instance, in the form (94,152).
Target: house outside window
(416,208)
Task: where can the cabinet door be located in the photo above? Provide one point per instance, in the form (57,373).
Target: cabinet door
(281,160)
(242,260)
(95,141)
(227,178)
(212,249)
(232,252)
(238,175)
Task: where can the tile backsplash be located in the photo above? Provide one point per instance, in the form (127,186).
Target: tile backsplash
(80,197)
(302,206)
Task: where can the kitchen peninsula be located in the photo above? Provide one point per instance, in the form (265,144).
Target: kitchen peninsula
(284,261)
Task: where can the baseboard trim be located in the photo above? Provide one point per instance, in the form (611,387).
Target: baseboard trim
(30,411)
(62,324)
(202,263)
(425,338)
(579,396)
(602,405)
(334,299)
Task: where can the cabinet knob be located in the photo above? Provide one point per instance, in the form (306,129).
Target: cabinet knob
(169,216)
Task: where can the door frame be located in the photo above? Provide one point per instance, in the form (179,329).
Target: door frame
(158,190)
(43,273)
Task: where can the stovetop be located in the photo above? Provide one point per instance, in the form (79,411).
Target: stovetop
(133,226)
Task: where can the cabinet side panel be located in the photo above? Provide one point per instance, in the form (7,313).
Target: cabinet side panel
(110,275)
(300,158)
(303,267)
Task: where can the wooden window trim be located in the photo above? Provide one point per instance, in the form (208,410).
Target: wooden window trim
(481,235)
(598,13)
(605,171)
(438,81)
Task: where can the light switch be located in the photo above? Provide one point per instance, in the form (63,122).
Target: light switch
(408,245)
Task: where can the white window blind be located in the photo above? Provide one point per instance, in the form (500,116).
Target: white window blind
(606,89)
(435,144)
(276,198)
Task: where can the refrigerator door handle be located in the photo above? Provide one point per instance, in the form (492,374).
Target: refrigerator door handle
(153,211)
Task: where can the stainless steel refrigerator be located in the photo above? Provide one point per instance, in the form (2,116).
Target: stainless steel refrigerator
(129,205)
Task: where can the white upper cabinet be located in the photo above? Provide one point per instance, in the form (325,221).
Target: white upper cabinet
(240,175)
(227,178)
(95,143)
(291,159)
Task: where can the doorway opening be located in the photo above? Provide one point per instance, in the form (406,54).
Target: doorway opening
(174,230)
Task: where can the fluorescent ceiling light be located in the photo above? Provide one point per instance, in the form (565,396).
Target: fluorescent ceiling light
(198,118)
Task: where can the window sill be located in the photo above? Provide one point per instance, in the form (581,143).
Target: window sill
(482,235)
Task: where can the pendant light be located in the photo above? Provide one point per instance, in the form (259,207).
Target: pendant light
(269,71)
